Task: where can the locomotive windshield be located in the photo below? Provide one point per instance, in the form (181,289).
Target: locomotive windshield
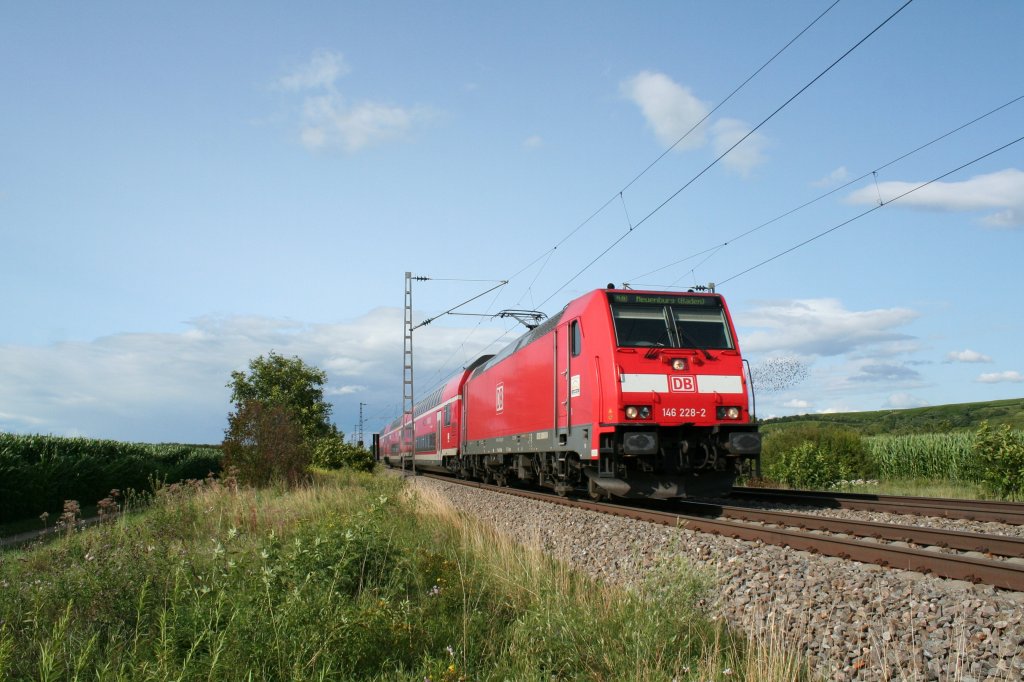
(670,321)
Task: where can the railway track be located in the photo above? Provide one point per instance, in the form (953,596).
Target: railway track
(925,550)
(972,510)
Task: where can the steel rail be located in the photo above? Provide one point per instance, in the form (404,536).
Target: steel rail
(1003,574)
(1001,545)
(971,510)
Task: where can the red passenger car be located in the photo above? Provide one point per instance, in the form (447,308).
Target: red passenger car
(438,429)
(623,393)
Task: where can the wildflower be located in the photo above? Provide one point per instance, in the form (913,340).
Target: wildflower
(450,650)
(434,591)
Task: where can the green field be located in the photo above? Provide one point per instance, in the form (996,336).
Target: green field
(965,450)
(38,473)
(936,419)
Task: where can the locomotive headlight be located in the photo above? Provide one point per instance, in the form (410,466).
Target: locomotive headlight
(638,412)
(679,364)
(728,412)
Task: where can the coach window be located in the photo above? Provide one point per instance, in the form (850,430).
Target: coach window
(577,339)
(448,414)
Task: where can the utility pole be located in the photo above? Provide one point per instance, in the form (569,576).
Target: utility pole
(359,436)
(408,405)
(408,427)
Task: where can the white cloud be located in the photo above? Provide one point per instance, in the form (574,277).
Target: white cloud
(533,142)
(346,390)
(172,386)
(332,121)
(1009,376)
(797,404)
(836,177)
(820,327)
(670,109)
(321,72)
(750,153)
(967,355)
(1002,190)
(902,401)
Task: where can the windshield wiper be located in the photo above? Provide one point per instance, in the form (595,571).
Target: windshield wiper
(683,336)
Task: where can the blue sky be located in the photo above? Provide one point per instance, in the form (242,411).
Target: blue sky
(184,187)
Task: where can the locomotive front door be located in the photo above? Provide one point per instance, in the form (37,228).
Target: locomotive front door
(563,372)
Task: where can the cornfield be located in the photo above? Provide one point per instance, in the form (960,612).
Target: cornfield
(37,473)
(942,456)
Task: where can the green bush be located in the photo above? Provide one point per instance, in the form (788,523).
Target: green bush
(333,452)
(808,465)
(842,454)
(999,458)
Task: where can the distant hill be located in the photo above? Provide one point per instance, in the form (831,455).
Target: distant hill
(937,419)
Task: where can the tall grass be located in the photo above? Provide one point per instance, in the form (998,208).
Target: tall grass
(353,578)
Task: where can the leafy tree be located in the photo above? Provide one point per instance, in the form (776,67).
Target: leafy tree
(284,394)
(264,444)
(290,383)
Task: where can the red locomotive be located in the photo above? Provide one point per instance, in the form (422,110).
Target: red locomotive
(623,393)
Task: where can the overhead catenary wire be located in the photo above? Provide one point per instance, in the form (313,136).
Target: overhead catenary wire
(753,130)
(695,126)
(714,249)
(547,256)
(882,204)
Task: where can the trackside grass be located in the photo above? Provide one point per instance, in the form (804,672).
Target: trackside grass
(354,578)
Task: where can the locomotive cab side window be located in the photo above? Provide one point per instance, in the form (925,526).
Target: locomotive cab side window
(577,339)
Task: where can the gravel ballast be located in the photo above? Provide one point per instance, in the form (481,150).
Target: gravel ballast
(852,621)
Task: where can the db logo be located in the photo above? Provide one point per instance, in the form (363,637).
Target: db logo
(499,398)
(678,384)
